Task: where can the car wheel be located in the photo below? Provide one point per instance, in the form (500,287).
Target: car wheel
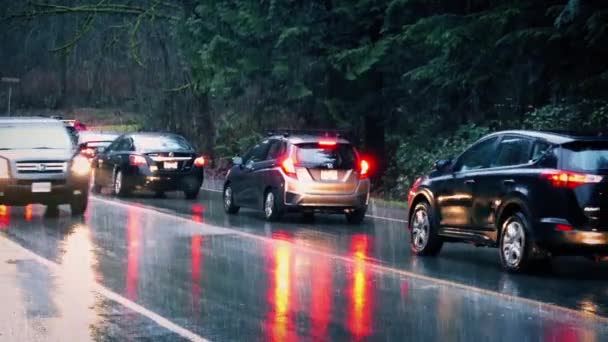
(119,188)
(308,216)
(95,187)
(191,194)
(229,206)
(272,210)
(425,241)
(516,246)
(356,216)
(52,210)
(79,204)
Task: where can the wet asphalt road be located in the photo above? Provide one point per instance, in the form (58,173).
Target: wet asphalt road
(169,269)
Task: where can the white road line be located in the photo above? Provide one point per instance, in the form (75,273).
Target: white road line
(109,294)
(368,215)
(375,266)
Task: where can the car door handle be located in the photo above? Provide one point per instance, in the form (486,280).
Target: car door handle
(469,181)
(508,182)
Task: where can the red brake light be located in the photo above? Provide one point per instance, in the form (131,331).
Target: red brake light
(137,160)
(327,143)
(89,152)
(571,180)
(199,162)
(363,168)
(564,227)
(288,166)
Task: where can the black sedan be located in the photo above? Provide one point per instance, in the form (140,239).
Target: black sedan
(156,161)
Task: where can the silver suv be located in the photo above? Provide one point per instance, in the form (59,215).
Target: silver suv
(305,173)
(39,164)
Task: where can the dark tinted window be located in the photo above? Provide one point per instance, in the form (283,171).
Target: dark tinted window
(124,144)
(513,151)
(31,136)
(540,149)
(585,156)
(340,156)
(478,156)
(161,143)
(257,153)
(276,149)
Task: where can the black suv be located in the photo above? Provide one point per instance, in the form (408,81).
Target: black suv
(531,194)
(39,164)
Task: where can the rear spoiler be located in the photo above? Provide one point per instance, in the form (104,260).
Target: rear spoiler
(336,133)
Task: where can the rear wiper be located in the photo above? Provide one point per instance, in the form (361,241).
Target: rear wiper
(5,148)
(43,148)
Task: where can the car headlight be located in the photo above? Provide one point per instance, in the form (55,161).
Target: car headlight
(81,165)
(4,172)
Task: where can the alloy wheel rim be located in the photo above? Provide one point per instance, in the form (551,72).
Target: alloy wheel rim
(420,229)
(118,182)
(228,197)
(513,243)
(269,203)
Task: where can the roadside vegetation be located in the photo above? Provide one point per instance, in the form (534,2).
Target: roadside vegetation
(412,80)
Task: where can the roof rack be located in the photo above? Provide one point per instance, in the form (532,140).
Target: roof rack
(319,132)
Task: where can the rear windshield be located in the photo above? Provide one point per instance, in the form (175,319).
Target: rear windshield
(340,156)
(34,136)
(84,137)
(162,143)
(589,157)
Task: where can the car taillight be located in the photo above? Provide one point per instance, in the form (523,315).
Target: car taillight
(570,180)
(363,169)
(88,152)
(289,166)
(327,143)
(199,162)
(137,160)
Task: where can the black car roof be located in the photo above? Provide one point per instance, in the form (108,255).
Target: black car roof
(558,137)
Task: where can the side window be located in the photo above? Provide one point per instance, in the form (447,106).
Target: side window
(276,149)
(513,150)
(258,153)
(539,150)
(478,156)
(124,145)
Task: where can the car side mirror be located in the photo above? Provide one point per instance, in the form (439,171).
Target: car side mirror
(443,164)
(237,161)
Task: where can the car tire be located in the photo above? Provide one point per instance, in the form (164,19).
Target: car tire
(308,216)
(79,204)
(516,247)
(424,238)
(52,210)
(229,206)
(95,187)
(119,188)
(191,194)
(272,208)
(356,216)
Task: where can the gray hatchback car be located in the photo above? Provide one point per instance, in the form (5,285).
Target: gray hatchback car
(303,172)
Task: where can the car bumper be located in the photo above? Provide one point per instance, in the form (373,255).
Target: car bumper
(169,182)
(572,242)
(294,199)
(19,192)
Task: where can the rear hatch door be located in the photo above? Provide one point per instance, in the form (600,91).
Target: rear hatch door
(330,168)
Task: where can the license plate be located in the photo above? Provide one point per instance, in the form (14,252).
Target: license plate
(41,187)
(170,165)
(329,175)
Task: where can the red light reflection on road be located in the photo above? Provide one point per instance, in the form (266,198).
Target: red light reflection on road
(195,270)
(5,216)
(322,290)
(133,249)
(361,298)
(198,211)
(28,212)
(280,294)
(566,333)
